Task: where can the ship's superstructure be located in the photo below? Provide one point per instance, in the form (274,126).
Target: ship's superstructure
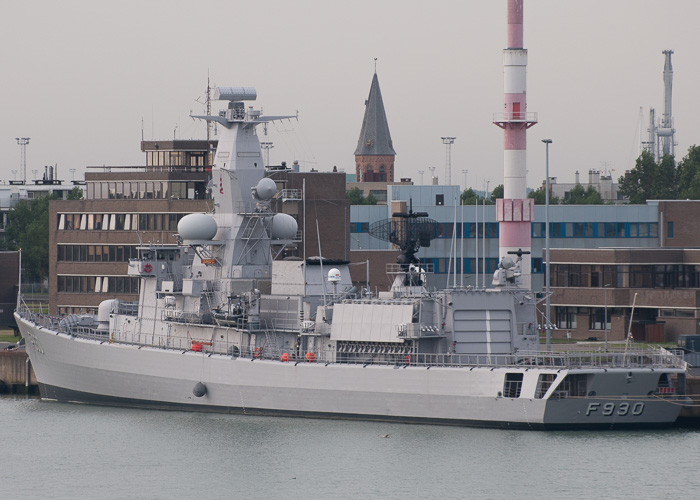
(220,325)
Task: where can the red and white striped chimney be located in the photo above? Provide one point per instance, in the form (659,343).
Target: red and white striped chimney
(515,211)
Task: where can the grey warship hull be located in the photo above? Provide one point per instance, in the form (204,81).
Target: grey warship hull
(221,325)
(74,369)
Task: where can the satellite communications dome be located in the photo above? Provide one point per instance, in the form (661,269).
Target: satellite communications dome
(283,227)
(197,227)
(265,189)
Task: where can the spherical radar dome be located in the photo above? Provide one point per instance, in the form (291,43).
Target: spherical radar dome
(283,227)
(265,189)
(197,227)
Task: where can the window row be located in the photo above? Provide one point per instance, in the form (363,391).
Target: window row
(626,276)
(119,222)
(596,230)
(177,158)
(98,284)
(445,229)
(556,229)
(96,253)
(147,190)
(445,266)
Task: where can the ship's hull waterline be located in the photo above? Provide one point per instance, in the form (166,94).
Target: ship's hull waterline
(72,369)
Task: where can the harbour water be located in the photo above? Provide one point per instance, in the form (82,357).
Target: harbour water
(62,451)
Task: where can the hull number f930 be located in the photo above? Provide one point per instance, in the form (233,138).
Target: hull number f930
(621,409)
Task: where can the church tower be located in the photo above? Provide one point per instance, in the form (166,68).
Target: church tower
(374,156)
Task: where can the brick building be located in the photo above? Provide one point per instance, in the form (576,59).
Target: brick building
(594,290)
(92,240)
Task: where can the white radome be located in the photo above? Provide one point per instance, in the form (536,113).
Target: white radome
(197,227)
(265,189)
(283,227)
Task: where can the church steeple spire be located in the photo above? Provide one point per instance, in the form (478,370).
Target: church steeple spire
(375,152)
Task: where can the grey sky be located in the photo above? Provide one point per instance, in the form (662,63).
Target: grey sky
(80,76)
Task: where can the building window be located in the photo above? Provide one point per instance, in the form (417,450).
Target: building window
(597,318)
(439,200)
(445,229)
(566,317)
(492,230)
(653,229)
(537,265)
(538,230)
(669,229)
(555,230)
(610,230)
(379,194)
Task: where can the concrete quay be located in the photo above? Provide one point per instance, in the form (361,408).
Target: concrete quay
(16,374)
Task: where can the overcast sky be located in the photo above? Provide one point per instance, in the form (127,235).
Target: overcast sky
(81,77)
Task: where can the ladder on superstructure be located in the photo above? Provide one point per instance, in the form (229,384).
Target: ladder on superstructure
(271,342)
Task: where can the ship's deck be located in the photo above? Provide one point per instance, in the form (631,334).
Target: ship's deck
(636,356)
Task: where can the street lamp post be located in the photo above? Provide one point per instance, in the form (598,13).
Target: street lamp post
(547,323)
(605,292)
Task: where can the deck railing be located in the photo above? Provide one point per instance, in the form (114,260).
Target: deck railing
(636,357)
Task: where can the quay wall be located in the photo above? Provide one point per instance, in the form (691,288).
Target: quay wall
(13,372)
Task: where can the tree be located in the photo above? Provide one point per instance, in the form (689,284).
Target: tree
(649,180)
(469,197)
(689,175)
(497,193)
(28,229)
(539,196)
(75,194)
(355,197)
(580,196)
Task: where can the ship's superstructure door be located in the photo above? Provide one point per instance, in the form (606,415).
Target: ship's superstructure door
(482,331)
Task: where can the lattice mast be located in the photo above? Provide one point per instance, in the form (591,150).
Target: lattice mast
(448,142)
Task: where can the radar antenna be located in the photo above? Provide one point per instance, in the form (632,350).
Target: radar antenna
(409,231)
